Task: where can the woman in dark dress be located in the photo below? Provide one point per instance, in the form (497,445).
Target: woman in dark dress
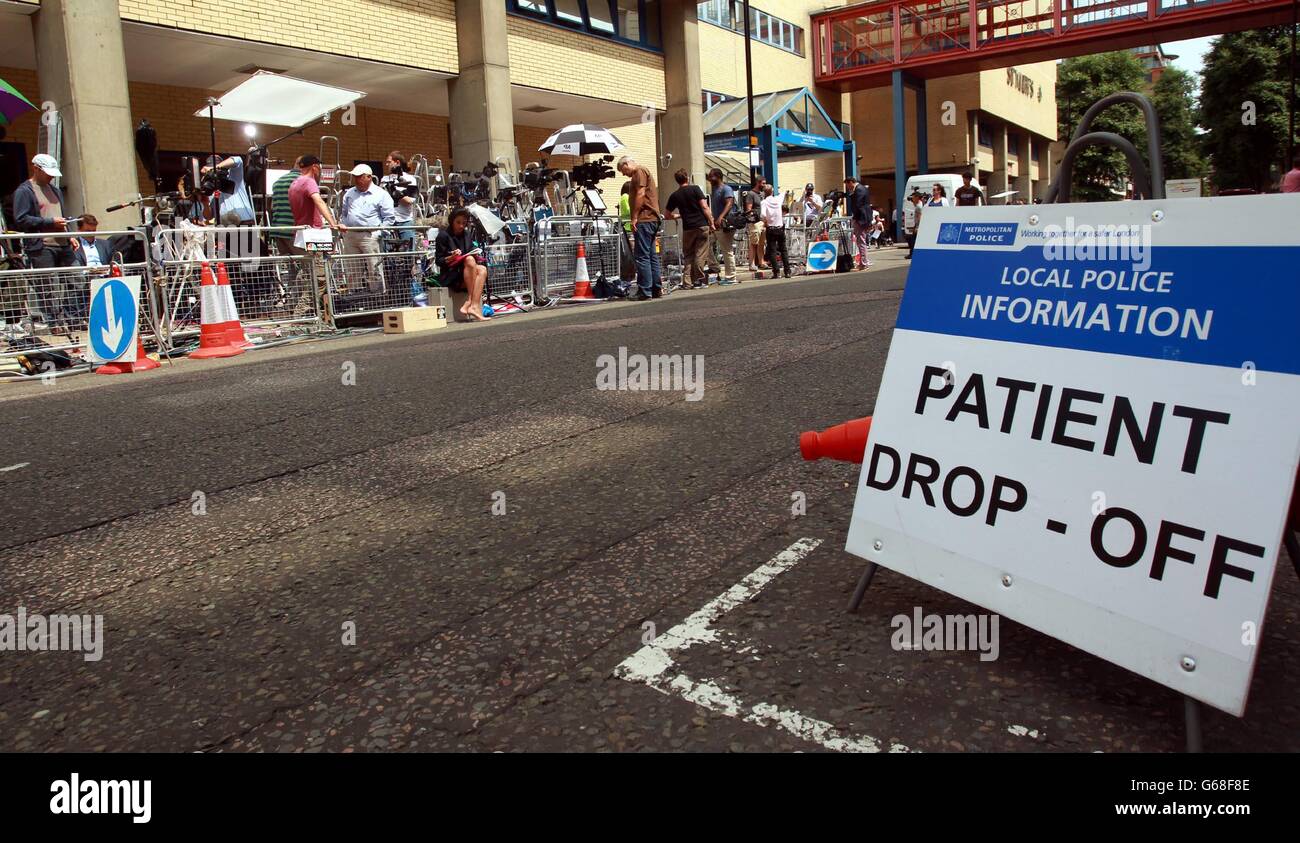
(458,269)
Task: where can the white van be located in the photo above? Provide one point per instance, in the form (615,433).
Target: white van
(950,181)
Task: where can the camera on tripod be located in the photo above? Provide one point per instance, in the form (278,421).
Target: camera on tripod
(538,177)
(593,172)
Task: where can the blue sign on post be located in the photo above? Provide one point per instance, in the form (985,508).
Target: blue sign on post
(822,256)
(114,315)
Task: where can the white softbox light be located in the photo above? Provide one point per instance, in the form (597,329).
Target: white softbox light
(275,100)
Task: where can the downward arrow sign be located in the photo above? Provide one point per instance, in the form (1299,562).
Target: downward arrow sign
(112,333)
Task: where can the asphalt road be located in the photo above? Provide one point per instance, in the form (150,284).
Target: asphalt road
(236,522)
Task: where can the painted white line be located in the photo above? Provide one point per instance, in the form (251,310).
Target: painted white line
(1023,732)
(653,664)
(15,466)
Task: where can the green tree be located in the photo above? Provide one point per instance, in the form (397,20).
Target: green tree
(1100,171)
(1244,90)
(1174,97)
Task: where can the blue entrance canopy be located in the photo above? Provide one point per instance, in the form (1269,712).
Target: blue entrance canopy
(787,124)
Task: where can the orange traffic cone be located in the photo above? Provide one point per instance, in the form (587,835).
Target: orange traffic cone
(142,362)
(234,327)
(846,442)
(582,280)
(214,333)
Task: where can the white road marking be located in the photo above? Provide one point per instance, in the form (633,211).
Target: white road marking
(1023,732)
(653,664)
(15,466)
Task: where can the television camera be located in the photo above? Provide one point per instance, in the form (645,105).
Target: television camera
(590,174)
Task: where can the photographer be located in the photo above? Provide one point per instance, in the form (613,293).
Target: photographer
(645,226)
(403,188)
(227,179)
(812,204)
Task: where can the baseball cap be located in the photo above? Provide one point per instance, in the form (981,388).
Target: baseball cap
(362,170)
(808,186)
(48,165)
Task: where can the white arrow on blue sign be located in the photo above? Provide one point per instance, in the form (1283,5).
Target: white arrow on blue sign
(114,316)
(822,256)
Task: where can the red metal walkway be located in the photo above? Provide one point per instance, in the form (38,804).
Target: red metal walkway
(860,46)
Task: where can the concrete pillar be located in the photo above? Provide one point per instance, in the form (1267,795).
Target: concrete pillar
(482,115)
(82,69)
(681,131)
(1024,181)
(999,182)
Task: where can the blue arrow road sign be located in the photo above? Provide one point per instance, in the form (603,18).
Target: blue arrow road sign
(113,318)
(822,256)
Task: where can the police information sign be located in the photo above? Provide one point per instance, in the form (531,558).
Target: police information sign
(1087,423)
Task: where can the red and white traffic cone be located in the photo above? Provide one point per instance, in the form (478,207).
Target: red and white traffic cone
(582,279)
(142,362)
(214,333)
(236,328)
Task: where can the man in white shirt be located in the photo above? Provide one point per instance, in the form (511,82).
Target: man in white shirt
(812,204)
(773,216)
(366,205)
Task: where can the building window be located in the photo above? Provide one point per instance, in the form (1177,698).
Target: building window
(985,136)
(1013,145)
(763,27)
(712,98)
(629,21)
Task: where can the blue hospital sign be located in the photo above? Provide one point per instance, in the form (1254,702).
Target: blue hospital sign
(1087,423)
(822,256)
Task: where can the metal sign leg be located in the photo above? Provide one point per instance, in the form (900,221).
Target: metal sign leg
(863,582)
(1192,724)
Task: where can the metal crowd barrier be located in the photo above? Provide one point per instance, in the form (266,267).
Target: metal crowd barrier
(672,263)
(556,252)
(360,283)
(47,310)
(270,289)
(839,229)
(510,272)
(796,244)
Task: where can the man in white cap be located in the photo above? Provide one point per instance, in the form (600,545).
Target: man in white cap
(38,207)
(366,205)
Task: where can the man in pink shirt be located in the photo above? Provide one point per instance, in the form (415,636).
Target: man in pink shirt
(1291,181)
(304,196)
(309,209)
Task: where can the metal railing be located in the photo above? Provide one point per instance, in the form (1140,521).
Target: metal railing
(271,287)
(45,309)
(556,252)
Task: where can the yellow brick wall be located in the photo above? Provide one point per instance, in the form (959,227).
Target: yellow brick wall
(1005,101)
(722,70)
(427,27)
(556,59)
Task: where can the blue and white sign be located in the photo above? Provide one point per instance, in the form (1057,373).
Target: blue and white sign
(822,256)
(114,316)
(1087,424)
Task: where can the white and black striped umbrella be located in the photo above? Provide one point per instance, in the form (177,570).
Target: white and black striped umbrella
(581,139)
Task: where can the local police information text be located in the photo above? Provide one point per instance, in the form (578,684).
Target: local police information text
(1095,316)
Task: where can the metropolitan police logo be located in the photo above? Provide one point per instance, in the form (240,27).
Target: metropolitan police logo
(950,232)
